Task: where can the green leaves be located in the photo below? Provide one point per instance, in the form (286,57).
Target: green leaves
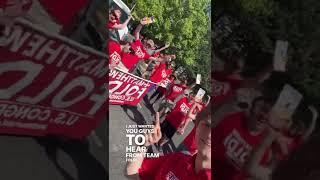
(184,24)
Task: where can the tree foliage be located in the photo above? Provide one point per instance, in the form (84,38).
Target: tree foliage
(182,23)
(252,27)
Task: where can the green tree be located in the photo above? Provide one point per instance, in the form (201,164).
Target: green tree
(257,24)
(185,25)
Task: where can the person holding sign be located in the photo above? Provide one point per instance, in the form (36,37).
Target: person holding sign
(176,119)
(176,165)
(190,142)
(226,82)
(161,90)
(236,136)
(175,91)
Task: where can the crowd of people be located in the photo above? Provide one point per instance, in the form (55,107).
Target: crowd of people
(179,101)
(249,142)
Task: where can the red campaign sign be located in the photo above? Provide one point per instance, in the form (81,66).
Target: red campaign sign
(126,88)
(50,85)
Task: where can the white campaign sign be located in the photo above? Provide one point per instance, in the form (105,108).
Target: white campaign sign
(198,80)
(280,56)
(289,99)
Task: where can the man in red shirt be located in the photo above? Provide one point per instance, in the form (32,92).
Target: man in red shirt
(138,47)
(161,90)
(177,165)
(116,51)
(176,119)
(114,20)
(174,91)
(226,82)
(236,136)
(190,142)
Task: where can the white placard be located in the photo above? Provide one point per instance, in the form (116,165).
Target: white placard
(280,56)
(200,94)
(198,80)
(289,99)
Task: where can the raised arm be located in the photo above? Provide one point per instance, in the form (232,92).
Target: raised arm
(121,26)
(163,48)
(138,29)
(312,126)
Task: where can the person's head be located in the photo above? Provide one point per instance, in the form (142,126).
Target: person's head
(116,12)
(125,47)
(149,44)
(203,132)
(259,113)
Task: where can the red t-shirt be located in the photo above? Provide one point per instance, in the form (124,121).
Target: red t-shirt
(64,13)
(292,145)
(159,74)
(174,166)
(129,60)
(156,54)
(175,90)
(178,114)
(233,144)
(224,87)
(190,140)
(114,50)
(139,50)
(166,83)
(111,24)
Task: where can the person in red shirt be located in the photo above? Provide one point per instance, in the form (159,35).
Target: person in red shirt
(159,74)
(177,165)
(226,82)
(292,136)
(190,142)
(114,19)
(161,90)
(115,51)
(236,136)
(139,48)
(176,119)
(171,95)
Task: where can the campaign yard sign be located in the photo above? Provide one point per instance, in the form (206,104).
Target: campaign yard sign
(126,88)
(50,85)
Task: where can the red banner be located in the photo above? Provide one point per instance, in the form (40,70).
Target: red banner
(126,88)
(50,84)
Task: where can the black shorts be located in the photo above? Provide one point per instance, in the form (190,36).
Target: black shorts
(167,129)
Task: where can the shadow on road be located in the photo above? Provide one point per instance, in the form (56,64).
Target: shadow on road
(88,167)
(137,116)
